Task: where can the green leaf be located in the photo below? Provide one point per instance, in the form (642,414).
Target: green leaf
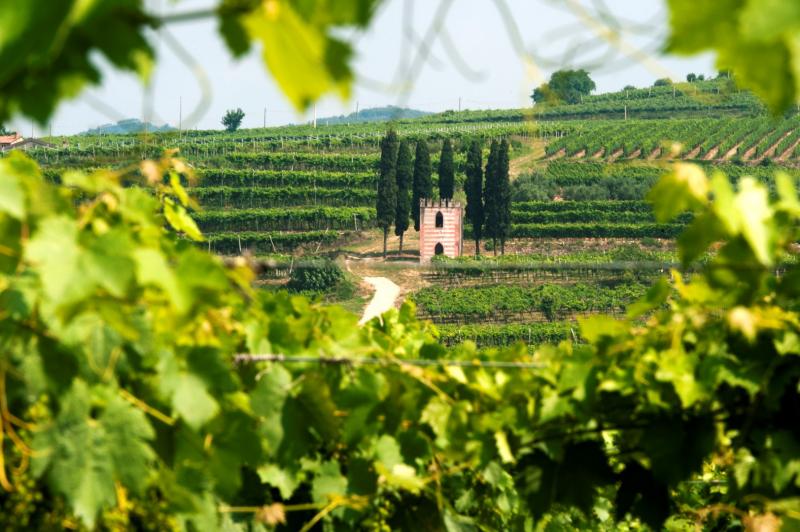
(328,482)
(107,262)
(285,480)
(128,432)
(152,269)
(704,230)
(723,207)
(47,50)
(55,254)
(12,194)
(436,414)
(755,38)
(503,448)
(593,328)
(401,476)
(684,188)
(79,454)
(458,523)
(787,192)
(387,451)
(320,408)
(752,204)
(655,297)
(678,368)
(768,20)
(192,401)
(305,62)
(179,219)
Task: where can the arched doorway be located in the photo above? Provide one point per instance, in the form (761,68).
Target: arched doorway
(439,219)
(439,249)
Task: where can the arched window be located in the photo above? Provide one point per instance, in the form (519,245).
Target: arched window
(439,249)
(439,219)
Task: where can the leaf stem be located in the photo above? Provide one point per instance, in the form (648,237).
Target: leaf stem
(147,409)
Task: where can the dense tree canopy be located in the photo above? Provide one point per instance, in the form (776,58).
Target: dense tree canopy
(566,86)
(422,186)
(447,171)
(404,176)
(232,119)
(473,188)
(386,201)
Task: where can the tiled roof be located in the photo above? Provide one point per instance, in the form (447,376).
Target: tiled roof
(10,139)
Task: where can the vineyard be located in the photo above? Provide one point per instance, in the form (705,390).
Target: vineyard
(308,192)
(616,346)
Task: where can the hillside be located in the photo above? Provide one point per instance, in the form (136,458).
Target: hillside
(579,220)
(129,125)
(374,114)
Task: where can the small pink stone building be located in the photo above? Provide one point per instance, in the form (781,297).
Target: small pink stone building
(441,229)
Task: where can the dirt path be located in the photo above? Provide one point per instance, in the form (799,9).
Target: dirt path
(386,293)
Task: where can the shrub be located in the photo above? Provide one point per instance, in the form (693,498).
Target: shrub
(315,276)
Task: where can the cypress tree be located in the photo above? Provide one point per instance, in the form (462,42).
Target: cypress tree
(405,171)
(447,175)
(490,197)
(473,187)
(503,195)
(386,203)
(422,186)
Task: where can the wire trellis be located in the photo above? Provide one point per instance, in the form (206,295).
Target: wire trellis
(246,358)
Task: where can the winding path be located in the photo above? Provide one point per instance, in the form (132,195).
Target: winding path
(383,299)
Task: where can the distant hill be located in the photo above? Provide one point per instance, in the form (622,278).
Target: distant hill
(129,125)
(700,98)
(374,114)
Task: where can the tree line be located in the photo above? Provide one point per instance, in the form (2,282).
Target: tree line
(403,182)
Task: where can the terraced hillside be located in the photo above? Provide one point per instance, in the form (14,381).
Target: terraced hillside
(582,237)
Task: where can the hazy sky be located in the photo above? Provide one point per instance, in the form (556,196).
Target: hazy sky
(487,70)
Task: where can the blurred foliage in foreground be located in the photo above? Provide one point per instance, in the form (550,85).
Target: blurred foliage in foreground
(119,390)
(49,51)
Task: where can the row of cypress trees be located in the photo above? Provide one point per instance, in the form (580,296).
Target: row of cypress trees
(403,182)
(489,200)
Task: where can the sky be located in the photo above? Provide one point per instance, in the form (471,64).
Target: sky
(482,60)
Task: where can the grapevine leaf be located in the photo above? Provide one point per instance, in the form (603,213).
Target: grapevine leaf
(128,433)
(46,50)
(107,262)
(315,397)
(152,269)
(284,479)
(752,206)
(503,448)
(80,457)
(684,188)
(328,482)
(305,62)
(787,192)
(12,194)
(192,401)
(458,523)
(593,328)
(401,476)
(436,414)
(387,451)
(179,219)
(678,368)
(704,230)
(55,254)
(757,39)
